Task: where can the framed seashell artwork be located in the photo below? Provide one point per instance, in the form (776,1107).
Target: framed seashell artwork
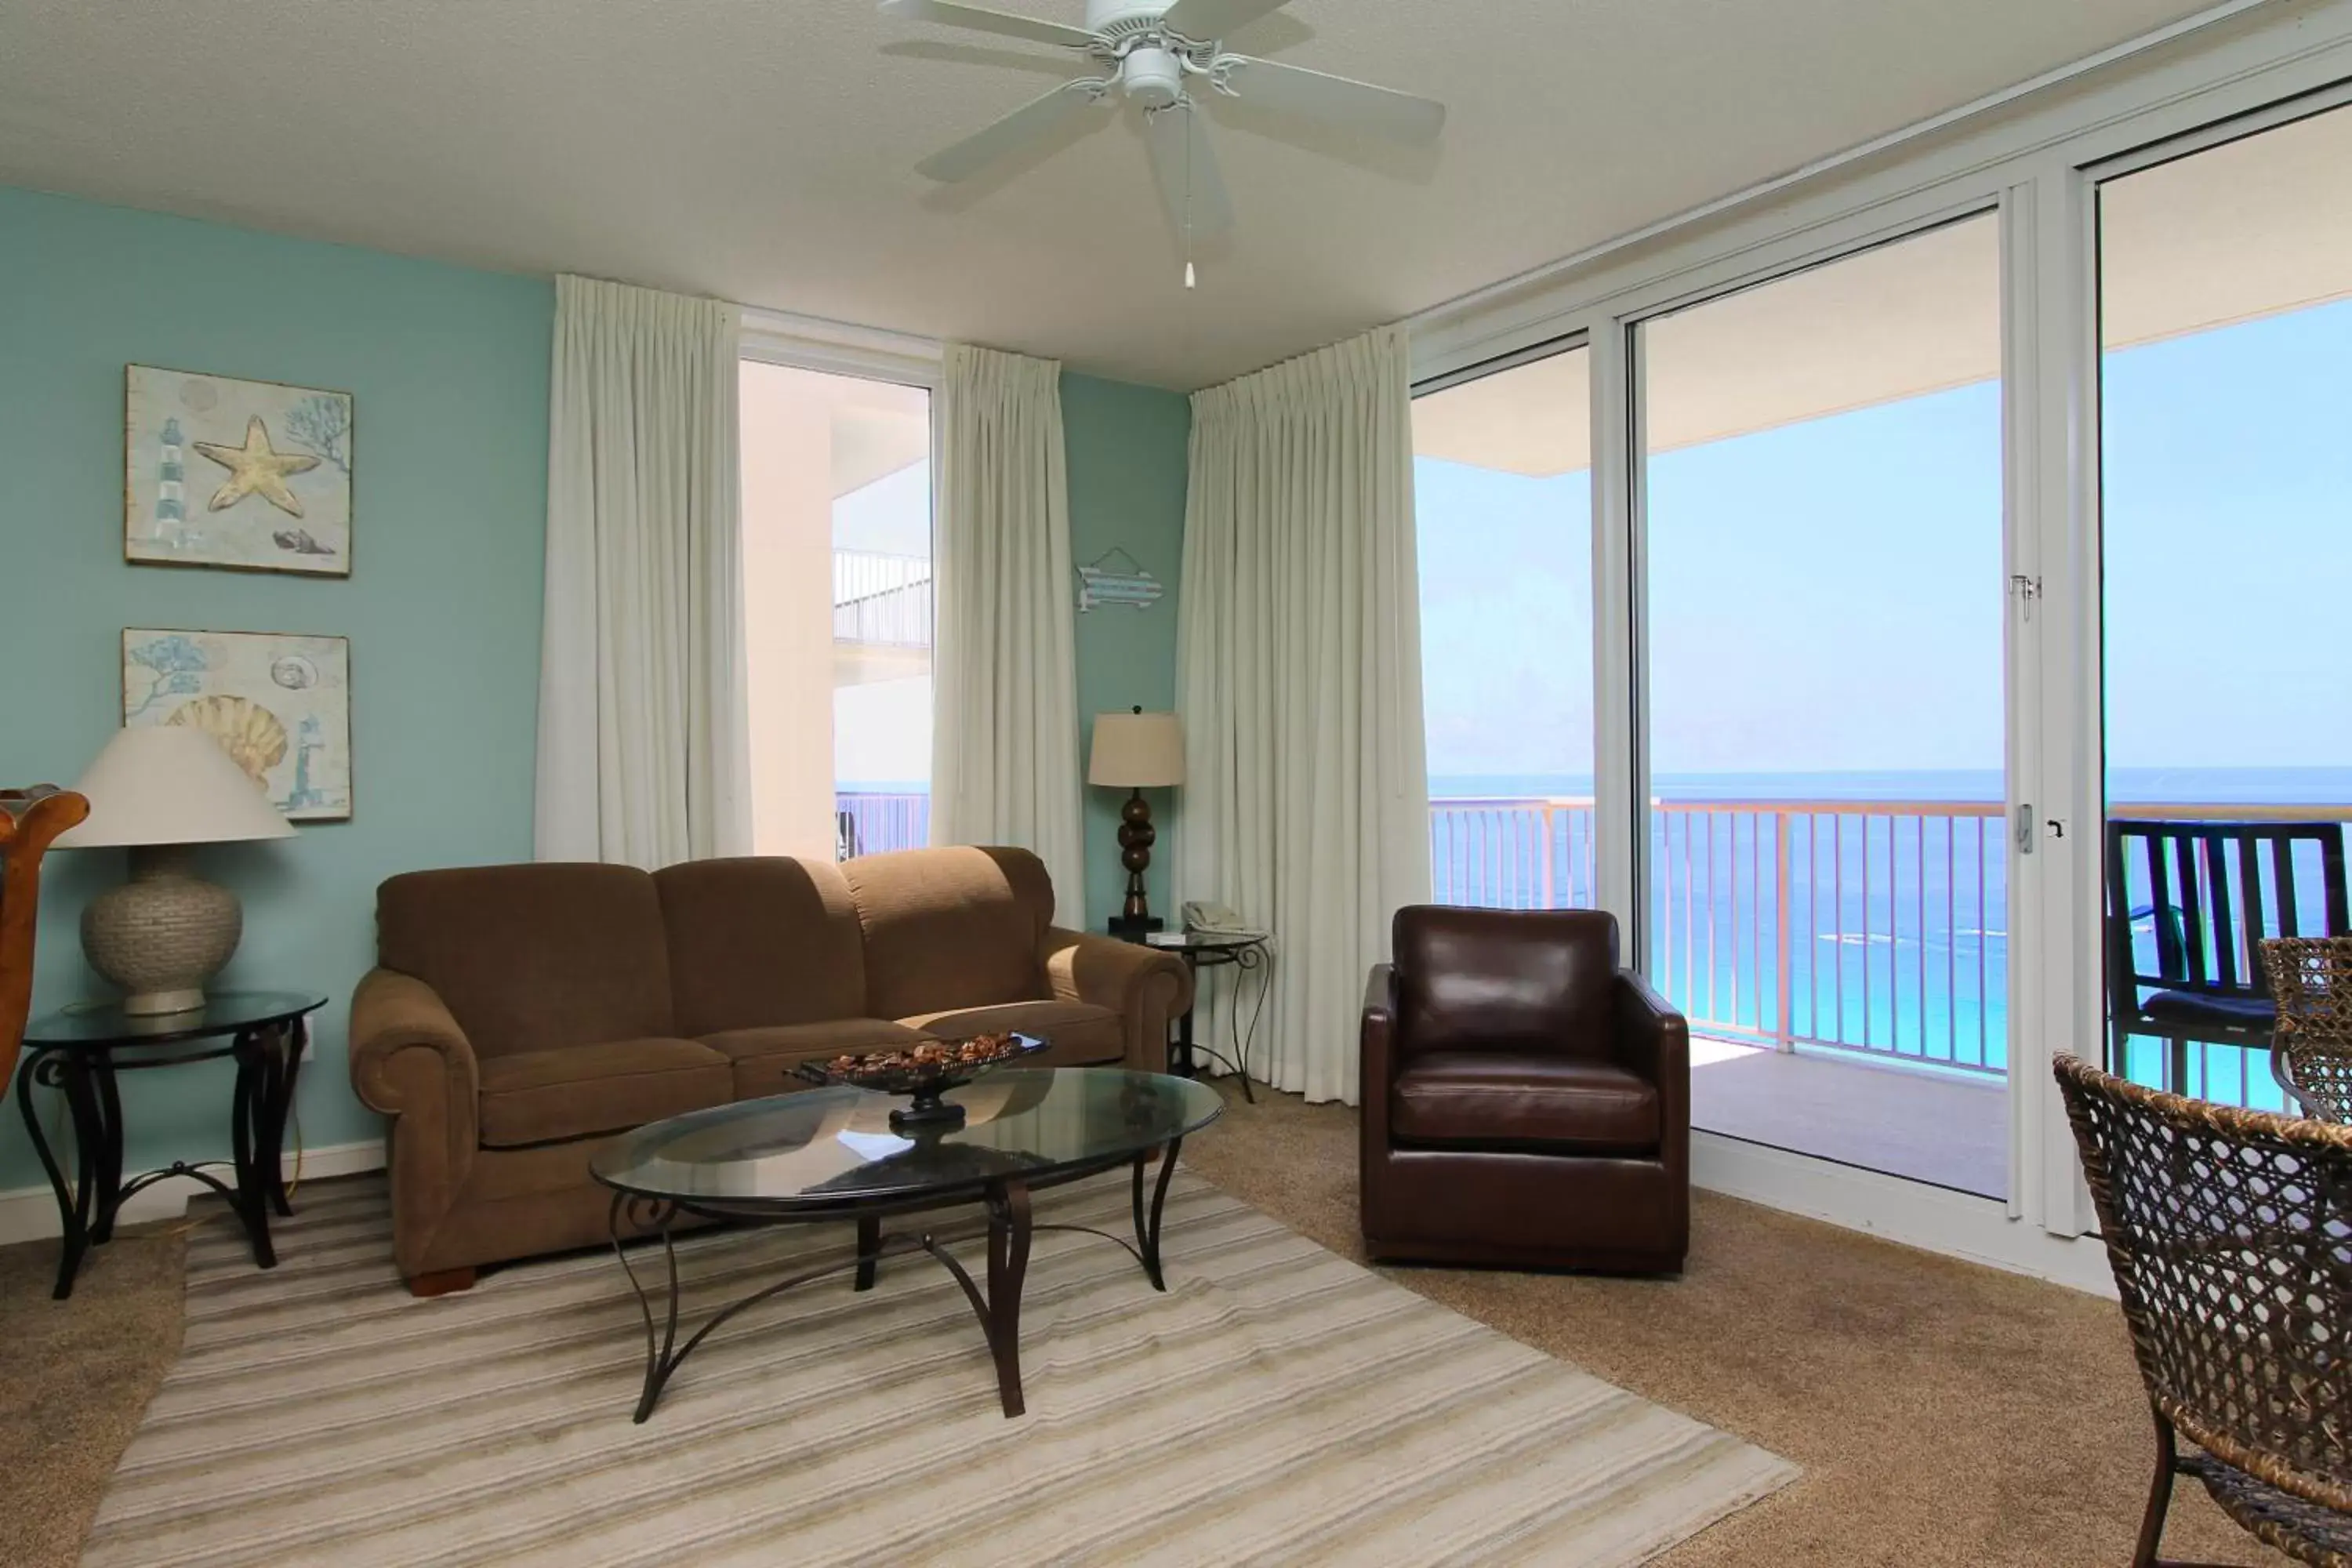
(277,702)
(249,475)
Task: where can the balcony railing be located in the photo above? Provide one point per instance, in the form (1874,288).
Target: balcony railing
(883,599)
(1869,926)
(868,823)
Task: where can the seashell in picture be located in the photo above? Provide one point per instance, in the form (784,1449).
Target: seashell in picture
(248,731)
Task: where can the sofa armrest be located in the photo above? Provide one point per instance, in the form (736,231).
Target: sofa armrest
(1146,988)
(1654,1039)
(411,1061)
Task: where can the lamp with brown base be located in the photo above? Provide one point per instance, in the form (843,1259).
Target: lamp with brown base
(1136,751)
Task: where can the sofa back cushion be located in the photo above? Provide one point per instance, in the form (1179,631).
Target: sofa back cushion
(533,958)
(951,928)
(1540,981)
(760,941)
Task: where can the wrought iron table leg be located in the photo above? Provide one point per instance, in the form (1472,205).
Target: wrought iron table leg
(285,1045)
(1147,1234)
(658,1362)
(54,1069)
(869,1243)
(249,1123)
(105,1106)
(1008,1265)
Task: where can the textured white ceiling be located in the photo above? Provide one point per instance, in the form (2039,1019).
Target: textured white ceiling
(764,149)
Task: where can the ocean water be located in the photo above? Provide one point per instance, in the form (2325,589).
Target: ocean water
(1881,927)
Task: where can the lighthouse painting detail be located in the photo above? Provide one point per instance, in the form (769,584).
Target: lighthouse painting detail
(278,703)
(243,474)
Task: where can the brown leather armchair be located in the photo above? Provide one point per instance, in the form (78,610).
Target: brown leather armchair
(1527,1101)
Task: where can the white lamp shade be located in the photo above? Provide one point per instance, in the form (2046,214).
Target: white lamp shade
(1136,751)
(170,784)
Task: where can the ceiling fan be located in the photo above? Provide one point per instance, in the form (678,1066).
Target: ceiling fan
(1154,54)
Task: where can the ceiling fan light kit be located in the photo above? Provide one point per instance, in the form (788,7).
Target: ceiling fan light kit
(1155,56)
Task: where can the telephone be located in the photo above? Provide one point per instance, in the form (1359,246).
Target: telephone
(1207,915)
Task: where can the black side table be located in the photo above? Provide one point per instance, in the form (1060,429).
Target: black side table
(1244,951)
(80,1050)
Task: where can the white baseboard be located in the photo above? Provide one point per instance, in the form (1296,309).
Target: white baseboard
(30,1214)
(1979,1230)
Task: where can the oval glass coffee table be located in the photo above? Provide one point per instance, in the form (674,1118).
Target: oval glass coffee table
(830,1155)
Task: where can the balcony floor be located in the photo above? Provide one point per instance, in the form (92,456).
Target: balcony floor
(1927,1126)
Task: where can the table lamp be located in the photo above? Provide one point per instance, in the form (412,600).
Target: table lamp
(156,790)
(1136,751)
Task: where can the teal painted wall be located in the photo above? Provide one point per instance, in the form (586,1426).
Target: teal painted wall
(449,368)
(1127,460)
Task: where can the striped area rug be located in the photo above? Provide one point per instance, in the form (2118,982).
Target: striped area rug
(1278,1404)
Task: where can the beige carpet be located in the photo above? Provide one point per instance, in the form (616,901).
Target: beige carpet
(1943,1413)
(1278,1403)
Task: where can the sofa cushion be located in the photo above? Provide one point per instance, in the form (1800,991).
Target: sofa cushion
(760,941)
(764,1060)
(578,1091)
(950,928)
(1482,1098)
(533,958)
(1079,1032)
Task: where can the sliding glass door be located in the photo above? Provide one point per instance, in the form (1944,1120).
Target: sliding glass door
(1826,891)
(2225,294)
(1503,495)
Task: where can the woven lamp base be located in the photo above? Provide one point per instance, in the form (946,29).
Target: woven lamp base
(164,933)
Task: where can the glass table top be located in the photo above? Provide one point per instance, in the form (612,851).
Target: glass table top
(224,1012)
(832,1146)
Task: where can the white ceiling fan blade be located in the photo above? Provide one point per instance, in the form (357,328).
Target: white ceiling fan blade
(1334,99)
(982,20)
(1184,167)
(1033,122)
(1202,20)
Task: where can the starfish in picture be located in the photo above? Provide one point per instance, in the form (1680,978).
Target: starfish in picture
(254,469)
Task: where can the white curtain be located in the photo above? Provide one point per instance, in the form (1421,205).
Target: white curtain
(644,741)
(1305,802)
(1005,732)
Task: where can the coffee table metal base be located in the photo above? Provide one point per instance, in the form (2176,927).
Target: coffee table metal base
(1009,1228)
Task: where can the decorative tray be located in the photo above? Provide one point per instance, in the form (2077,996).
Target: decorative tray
(925,1071)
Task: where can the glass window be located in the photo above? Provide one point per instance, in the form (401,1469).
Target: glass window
(838,587)
(1503,501)
(2225,296)
(1825,896)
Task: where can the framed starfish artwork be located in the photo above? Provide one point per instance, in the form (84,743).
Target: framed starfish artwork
(250,475)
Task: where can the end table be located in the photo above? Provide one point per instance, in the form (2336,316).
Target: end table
(80,1050)
(1244,951)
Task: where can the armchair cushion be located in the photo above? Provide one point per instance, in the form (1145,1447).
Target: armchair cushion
(1539,982)
(1495,1100)
(578,1091)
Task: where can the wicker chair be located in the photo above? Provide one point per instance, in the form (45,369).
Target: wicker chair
(2231,1237)
(28,820)
(2311,1055)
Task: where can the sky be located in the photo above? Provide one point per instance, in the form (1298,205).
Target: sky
(1827,596)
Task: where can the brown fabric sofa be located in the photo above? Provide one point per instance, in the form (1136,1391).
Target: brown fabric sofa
(1525,1100)
(521,1015)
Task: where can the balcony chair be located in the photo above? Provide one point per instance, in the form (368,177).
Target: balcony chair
(2208,983)
(1525,1100)
(2230,1233)
(2311,1055)
(29,819)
